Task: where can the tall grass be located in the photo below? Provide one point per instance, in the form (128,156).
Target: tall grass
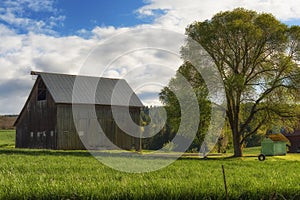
(31,174)
(47,174)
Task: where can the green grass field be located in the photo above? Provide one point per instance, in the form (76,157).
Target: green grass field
(46,174)
(7,138)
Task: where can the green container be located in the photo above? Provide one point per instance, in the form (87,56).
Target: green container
(273,148)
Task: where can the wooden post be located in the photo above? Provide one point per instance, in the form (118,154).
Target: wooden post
(140,147)
(225,185)
(141,130)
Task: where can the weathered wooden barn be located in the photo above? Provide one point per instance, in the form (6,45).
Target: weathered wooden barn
(49,120)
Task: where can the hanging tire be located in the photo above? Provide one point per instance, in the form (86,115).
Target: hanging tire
(261,157)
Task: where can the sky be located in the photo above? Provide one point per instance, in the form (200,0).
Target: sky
(135,40)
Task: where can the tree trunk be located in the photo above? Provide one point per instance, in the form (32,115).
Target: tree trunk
(237,145)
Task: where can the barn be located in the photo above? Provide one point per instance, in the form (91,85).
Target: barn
(48,119)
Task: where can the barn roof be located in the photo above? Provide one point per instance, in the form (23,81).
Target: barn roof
(89,90)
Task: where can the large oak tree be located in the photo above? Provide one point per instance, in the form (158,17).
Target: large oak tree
(257,57)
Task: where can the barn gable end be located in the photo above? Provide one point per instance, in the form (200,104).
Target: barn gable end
(35,126)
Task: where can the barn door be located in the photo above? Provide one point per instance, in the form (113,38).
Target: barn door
(94,134)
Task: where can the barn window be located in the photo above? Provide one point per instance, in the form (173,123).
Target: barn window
(31,134)
(42,91)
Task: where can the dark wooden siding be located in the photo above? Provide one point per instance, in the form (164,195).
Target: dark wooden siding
(36,127)
(294,139)
(67,137)
(89,132)
(295,143)
(46,124)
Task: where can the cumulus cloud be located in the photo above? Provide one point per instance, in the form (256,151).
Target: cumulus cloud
(142,55)
(19,54)
(178,14)
(17,14)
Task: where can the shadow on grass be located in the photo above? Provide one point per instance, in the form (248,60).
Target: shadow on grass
(6,145)
(223,157)
(85,153)
(37,152)
(78,153)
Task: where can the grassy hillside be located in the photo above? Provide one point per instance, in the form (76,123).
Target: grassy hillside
(7,122)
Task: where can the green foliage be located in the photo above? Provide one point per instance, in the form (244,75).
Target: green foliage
(169,146)
(187,72)
(157,132)
(257,57)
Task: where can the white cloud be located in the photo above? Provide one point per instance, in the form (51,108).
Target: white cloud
(41,5)
(19,54)
(16,14)
(104,32)
(35,5)
(143,56)
(178,13)
(136,54)
(10,42)
(140,55)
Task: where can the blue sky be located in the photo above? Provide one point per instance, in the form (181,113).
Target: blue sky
(93,13)
(135,40)
(74,15)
